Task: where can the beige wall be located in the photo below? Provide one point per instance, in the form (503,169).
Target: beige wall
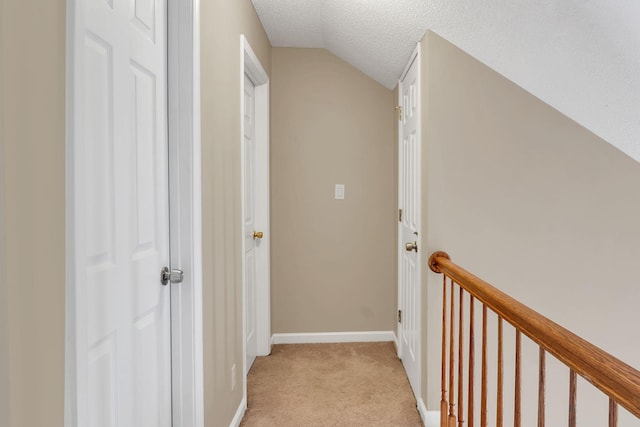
(222,22)
(532,202)
(332,260)
(4,336)
(33,89)
(33,144)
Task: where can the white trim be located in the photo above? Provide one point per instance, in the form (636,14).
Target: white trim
(429,418)
(412,58)
(237,418)
(183,77)
(421,240)
(333,337)
(399,224)
(197,222)
(75,371)
(432,419)
(251,66)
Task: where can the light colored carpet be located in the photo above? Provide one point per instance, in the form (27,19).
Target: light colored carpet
(354,384)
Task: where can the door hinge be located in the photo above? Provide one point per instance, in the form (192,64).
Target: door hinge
(411,246)
(399,316)
(399,215)
(398,109)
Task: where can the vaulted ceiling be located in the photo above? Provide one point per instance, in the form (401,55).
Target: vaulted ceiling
(377,37)
(580,56)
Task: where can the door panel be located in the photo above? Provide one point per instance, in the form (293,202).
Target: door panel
(409,226)
(250,220)
(122,217)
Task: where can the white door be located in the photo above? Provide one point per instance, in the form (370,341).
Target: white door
(409,225)
(121,215)
(251,236)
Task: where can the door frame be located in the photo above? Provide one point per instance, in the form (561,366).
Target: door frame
(250,65)
(183,107)
(415,57)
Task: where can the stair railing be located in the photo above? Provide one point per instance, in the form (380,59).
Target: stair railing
(616,379)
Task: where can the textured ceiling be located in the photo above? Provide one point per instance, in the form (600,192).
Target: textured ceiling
(377,37)
(580,56)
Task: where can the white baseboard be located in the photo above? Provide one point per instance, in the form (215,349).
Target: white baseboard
(429,418)
(432,419)
(237,418)
(333,337)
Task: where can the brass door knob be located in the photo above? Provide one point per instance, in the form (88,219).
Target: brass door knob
(411,246)
(258,235)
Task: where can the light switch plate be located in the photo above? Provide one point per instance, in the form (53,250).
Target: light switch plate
(339,191)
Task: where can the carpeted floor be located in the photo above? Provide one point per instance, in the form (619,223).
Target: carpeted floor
(355,384)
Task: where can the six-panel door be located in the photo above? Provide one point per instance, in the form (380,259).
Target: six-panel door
(122,215)
(409,228)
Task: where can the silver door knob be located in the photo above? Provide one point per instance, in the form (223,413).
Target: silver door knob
(411,246)
(171,276)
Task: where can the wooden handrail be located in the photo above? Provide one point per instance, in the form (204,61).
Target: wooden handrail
(618,380)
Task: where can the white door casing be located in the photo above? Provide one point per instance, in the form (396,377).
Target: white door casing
(257,324)
(118,360)
(409,266)
(249,222)
(185,192)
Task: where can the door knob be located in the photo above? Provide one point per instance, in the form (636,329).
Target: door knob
(411,246)
(171,276)
(257,235)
